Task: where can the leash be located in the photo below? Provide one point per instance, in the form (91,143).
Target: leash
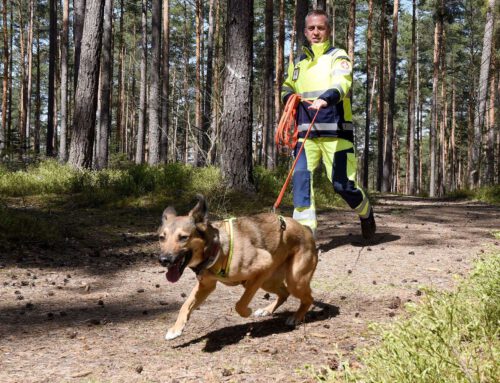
(287,135)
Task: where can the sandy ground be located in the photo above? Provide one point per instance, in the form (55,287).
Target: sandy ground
(97,308)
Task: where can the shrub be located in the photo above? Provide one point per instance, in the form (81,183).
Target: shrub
(448,337)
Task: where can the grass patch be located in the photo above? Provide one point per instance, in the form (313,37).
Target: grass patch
(447,337)
(488,194)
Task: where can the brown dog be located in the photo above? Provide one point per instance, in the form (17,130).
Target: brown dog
(264,250)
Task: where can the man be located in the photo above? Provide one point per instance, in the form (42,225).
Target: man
(323,75)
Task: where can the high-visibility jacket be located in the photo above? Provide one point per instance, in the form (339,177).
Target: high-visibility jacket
(322,72)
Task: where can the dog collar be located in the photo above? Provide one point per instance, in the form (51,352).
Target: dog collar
(210,261)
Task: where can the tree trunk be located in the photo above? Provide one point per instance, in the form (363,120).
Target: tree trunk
(104,121)
(380,159)
(165,104)
(200,150)
(30,74)
(453,149)
(300,21)
(366,151)
(120,108)
(49,150)
(410,141)
(388,158)
(268,120)
(216,98)
(481,95)
(280,58)
(443,122)
(78,21)
(141,125)
(38,96)
(155,87)
(438,33)
(23,86)
(490,144)
(351,34)
(80,155)
(320,4)
(63,143)
(236,134)
(5,81)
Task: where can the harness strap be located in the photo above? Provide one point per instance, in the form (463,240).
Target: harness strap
(224,270)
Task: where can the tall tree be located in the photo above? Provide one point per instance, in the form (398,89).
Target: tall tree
(301,10)
(280,57)
(78,21)
(388,158)
(236,134)
(104,116)
(141,126)
(49,148)
(438,35)
(80,155)
(268,120)
(366,151)
(201,150)
(155,87)
(490,140)
(380,141)
(165,104)
(120,109)
(5,81)
(208,100)
(30,71)
(38,94)
(63,143)
(482,94)
(410,137)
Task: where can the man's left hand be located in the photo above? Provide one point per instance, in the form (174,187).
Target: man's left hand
(318,104)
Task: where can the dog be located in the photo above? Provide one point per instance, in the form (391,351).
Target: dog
(264,251)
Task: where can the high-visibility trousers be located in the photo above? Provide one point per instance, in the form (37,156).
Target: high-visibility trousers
(340,164)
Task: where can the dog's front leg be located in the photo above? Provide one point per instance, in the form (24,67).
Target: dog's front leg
(199,293)
(251,287)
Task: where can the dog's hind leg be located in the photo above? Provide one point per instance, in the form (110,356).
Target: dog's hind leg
(298,279)
(199,293)
(275,286)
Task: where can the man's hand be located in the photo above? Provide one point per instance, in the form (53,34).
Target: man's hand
(318,104)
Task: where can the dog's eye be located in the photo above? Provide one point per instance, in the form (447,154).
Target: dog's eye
(183,238)
(162,237)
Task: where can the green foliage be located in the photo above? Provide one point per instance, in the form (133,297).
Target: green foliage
(488,194)
(448,337)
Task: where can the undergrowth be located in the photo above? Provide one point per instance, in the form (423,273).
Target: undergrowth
(447,337)
(488,194)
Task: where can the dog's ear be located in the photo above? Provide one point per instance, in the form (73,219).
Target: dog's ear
(168,214)
(199,212)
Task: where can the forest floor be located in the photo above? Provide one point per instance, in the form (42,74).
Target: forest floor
(96,308)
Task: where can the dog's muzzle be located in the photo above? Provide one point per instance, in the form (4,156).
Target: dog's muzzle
(166,259)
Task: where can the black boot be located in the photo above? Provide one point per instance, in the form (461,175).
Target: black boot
(368,226)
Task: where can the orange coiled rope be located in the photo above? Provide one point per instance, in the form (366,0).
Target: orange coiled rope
(287,135)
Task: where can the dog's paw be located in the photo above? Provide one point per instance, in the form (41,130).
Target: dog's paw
(172,334)
(261,313)
(245,312)
(292,321)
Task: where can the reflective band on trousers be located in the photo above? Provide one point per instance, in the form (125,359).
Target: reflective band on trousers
(346,126)
(363,208)
(302,214)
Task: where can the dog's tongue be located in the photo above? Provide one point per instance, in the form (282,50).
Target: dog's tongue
(173,273)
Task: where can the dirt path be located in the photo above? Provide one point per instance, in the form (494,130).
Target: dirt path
(97,310)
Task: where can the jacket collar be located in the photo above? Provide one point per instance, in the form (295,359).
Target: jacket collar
(316,50)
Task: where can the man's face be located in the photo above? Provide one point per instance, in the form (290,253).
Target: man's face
(316,29)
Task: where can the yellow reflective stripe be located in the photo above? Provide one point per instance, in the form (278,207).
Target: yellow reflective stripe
(224,271)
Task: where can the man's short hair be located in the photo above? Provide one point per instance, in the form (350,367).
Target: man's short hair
(318,12)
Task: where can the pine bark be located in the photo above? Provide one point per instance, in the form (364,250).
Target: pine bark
(141,125)
(380,141)
(410,138)
(438,34)
(5,80)
(388,158)
(104,121)
(63,143)
(49,151)
(80,155)
(482,95)
(280,57)
(30,74)
(165,104)
(300,21)
(236,133)
(490,140)
(268,120)
(155,86)
(366,151)
(78,21)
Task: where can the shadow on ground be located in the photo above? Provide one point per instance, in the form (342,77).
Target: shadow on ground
(218,339)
